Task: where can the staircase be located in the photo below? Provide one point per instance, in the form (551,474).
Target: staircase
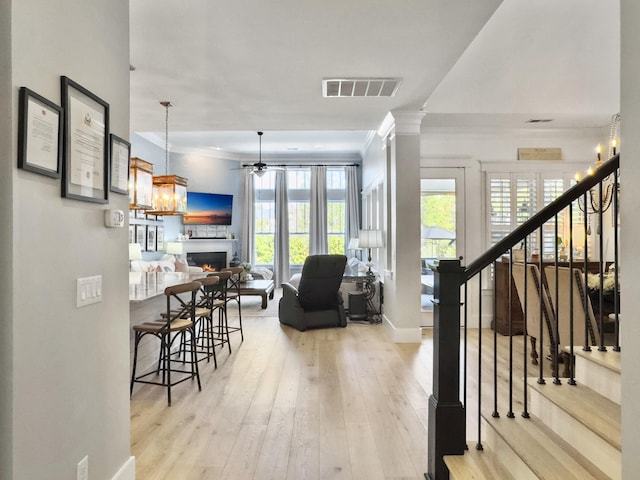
(573,431)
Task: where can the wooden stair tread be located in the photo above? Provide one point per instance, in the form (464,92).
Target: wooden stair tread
(593,410)
(608,359)
(545,453)
(475,465)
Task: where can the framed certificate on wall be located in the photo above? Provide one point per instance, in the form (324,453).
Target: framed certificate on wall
(85,169)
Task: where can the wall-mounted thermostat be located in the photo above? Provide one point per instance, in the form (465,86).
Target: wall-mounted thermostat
(113,218)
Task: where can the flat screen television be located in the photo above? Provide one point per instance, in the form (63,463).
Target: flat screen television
(208,209)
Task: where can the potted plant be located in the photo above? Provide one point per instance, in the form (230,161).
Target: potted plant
(246,271)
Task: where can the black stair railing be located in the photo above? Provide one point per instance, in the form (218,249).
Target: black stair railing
(551,322)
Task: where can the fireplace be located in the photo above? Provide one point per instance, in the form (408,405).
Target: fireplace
(209,261)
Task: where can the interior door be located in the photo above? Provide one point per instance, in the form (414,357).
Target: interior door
(442,226)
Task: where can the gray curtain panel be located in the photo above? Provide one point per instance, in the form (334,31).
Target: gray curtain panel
(318,239)
(281,253)
(247,219)
(353,199)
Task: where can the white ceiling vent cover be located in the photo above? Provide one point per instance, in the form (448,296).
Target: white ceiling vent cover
(360,87)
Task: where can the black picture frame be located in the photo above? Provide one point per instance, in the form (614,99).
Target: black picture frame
(141,236)
(85,169)
(151,238)
(39,134)
(119,163)
(159,238)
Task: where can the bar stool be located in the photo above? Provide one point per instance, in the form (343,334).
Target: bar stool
(233,293)
(219,304)
(177,323)
(204,319)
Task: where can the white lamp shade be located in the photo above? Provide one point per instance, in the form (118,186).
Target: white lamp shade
(370,239)
(174,248)
(135,251)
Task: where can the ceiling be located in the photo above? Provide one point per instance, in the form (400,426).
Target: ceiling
(233,68)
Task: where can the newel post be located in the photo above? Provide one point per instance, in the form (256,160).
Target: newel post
(446,413)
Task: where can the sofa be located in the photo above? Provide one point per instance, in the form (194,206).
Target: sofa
(168,263)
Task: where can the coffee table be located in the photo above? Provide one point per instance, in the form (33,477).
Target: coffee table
(258,287)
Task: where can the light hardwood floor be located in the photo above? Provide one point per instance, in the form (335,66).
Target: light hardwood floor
(342,403)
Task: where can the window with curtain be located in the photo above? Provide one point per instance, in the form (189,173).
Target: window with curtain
(515,197)
(336,210)
(299,181)
(265,218)
(299,193)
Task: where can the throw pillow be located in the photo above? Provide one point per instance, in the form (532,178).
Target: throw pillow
(167,266)
(182,266)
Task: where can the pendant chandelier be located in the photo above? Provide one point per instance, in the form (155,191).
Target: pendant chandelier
(169,191)
(140,184)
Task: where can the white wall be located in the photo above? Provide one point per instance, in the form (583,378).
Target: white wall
(211,175)
(398,166)
(629,234)
(501,144)
(373,165)
(7,236)
(67,392)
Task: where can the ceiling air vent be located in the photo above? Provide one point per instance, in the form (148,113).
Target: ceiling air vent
(360,87)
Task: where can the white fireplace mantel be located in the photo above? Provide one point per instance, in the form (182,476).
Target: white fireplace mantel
(194,245)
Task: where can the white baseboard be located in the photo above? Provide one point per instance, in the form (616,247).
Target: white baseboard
(127,471)
(402,335)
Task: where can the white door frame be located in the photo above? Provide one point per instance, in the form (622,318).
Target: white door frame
(458,174)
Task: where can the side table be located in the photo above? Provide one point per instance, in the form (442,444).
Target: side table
(367,285)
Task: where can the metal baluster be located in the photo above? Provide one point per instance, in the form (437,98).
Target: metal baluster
(541,294)
(601,347)
(465,357)
(585,270)
(616,306)
(525,406)
(556,333)
(479,443)
(495,413)
(571,380)
(510,413)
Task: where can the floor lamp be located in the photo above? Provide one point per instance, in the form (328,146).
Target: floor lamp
(370,239)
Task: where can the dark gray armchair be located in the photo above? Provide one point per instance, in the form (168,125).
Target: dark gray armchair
(317,302)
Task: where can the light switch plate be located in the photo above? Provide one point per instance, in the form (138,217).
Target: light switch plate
(88,290)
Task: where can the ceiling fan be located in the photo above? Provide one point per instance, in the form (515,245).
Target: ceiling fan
(259,168)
